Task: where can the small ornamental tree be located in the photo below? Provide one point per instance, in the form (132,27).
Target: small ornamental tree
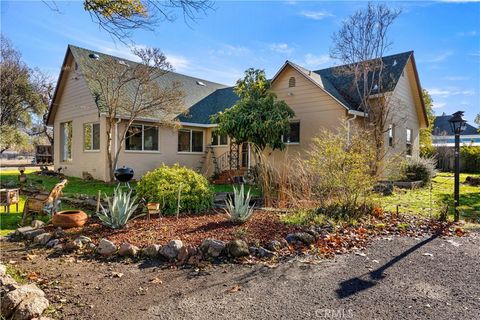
(258,117)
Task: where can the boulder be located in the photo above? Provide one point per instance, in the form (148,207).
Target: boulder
(128,250)
(300,238)
(7,284)
(186,253)
(83,239)
(212,247)
(58,233)
(30,308)
(42,239)
(20,232)
(151,251)
(3,270)
(265,253)
(30,235)
(276,245)
(172,249)
(237,248)
(12,299)
(52,243)
(73,245)
(106,248)
(37,224)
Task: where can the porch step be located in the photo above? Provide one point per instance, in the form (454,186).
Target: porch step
(227,176)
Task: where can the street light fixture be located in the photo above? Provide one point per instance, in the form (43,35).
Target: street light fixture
(458,125)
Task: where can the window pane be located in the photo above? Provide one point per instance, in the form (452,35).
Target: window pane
(96,136)
(294,134)
(150,137)
(214,138)
(87,136)
(197,141)
(66,139)
(409,135)
(183,140)
(133,140)
(223,139)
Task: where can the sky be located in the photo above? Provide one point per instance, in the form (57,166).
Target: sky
(236,35)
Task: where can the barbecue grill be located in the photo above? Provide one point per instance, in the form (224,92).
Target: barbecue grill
(124,175)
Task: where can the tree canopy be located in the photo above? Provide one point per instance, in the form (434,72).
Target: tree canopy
(426,133)
(258,117)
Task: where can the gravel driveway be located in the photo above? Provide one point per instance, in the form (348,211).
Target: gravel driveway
(394,278)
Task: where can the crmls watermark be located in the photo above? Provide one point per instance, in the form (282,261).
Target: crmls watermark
(334,313)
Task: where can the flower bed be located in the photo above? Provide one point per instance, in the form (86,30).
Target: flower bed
(191,229)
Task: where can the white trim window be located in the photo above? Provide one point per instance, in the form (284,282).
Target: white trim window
(142,137)
(91,136)
(66,133)
(190,140)
(409,142)
(219,139)
(293,136)
(391,135)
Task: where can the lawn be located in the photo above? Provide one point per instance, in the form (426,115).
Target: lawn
(431,201)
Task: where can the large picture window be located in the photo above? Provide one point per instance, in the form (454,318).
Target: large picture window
(391,134)
(293,135)
(66,132)
(190,140)
(91,136)
(141,138)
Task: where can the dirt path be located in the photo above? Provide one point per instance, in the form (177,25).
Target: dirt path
(399,278)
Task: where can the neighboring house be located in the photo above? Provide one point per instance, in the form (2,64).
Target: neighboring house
(320,99)
(443,136)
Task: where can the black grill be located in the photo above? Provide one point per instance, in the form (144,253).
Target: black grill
(124,174)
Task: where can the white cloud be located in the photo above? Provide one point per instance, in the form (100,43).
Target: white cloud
(316,15)
(449,92)
(178,62)
(438,105)
(230,50)
(439,57)
(281,48)
(312,60)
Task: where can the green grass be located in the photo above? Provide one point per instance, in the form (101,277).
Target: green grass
(229,188)
(426,202)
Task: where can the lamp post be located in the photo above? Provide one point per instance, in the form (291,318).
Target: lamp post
(458,124)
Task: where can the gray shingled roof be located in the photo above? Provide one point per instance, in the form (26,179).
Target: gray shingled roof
(340,84)
(441,126)
(203,101)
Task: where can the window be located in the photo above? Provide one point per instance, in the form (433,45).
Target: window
(390,135)
(190,140)
(293,135)
(91,136)
(409,142)
(141,138)
(219,139)
(291,82)
(66,141)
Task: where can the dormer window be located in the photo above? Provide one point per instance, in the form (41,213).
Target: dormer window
(291,82)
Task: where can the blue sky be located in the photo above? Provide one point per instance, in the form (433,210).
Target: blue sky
(445,36)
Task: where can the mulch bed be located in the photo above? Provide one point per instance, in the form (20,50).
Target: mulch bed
(262,228)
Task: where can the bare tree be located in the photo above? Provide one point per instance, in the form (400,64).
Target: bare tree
(360,44)
(128,91)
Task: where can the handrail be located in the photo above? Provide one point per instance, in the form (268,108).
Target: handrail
(223,161)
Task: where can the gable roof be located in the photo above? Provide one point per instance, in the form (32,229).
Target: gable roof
(197,92)
(441,126)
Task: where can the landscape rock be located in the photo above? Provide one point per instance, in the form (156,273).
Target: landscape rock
(58,233)
(30,235)
(20,232)
(42,239)
(186,254)
(106,248)
(172,249)
(3,270)
(300,238)
(212,247)
(12,299)
(37,224)
(151,251)
(58,247)
(83,239)
(265,253)
(128,250)
(253,250)
(52,243)
(237,248)
(276,245)
(313,232)
(30,307)
(7,284)
(73,245)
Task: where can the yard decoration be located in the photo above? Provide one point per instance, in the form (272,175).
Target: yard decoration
(9,197)
(44,203)
(69,219)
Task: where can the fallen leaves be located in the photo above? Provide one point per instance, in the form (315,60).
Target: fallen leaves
(156,280)
(235,288)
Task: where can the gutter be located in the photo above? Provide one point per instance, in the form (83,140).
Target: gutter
(357,113)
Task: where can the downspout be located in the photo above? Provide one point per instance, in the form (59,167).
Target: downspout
(349,120)
(116,141)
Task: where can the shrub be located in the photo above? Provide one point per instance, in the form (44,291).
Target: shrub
(120,209)
(418,168)
(162,185)
(239,210)
(470,159)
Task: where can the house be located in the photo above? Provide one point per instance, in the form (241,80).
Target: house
(443,136)
(320,99)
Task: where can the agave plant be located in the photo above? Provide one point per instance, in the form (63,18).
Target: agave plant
(120,209)
(240,210)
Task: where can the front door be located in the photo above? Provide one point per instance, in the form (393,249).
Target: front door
(245,155)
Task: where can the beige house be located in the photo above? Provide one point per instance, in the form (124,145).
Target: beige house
(320,99)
